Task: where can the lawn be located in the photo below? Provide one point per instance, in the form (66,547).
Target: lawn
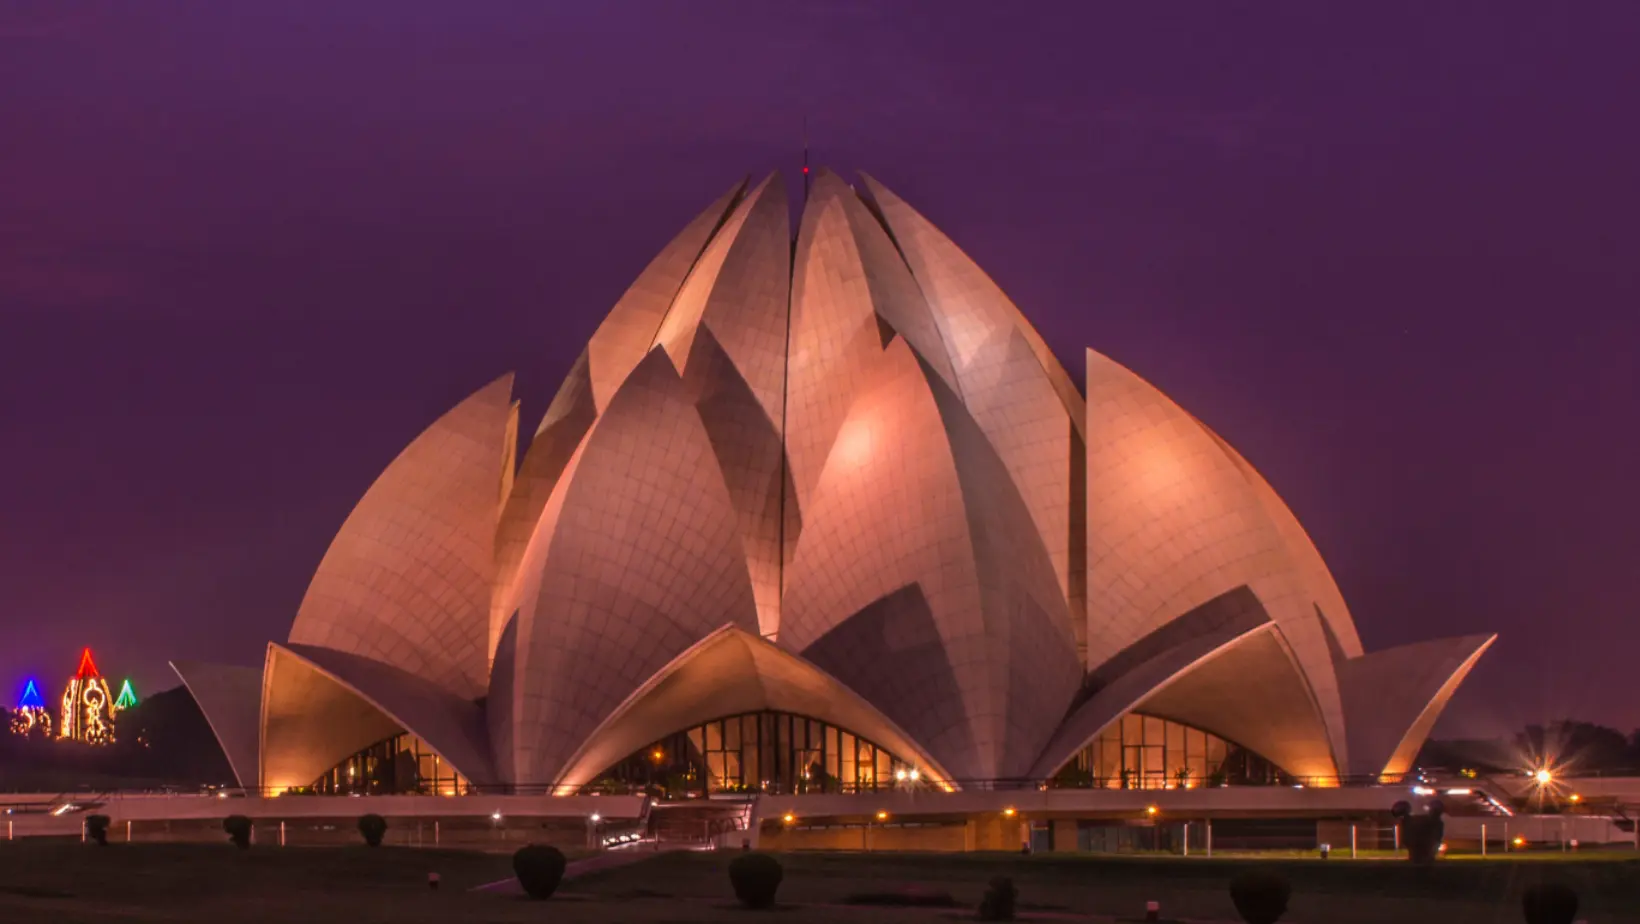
(57,882)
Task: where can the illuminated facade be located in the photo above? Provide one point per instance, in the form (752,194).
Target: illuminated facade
(31,718)
(1148,752)
(88,707)
(765,751)
(826,508)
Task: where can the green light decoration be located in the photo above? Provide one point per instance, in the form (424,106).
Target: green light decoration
(127,698)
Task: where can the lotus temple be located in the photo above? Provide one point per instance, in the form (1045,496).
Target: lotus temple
(824,519)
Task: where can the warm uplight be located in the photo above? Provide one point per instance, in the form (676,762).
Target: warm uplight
(900,775)
(657,755)
(882,816)
(1443,848)
(1543,777)
(596,818)
(914,775)
(495,816)
(1519,841)
(788,818)
(1151,810)
(1575,797)
(1009,812)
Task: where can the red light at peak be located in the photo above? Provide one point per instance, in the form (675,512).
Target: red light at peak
(88,667)
(805,168)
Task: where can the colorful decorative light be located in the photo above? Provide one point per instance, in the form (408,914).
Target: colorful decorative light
(30,716)
(88,707)
(127,698)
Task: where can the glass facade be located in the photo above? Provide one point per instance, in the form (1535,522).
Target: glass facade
(776,752)
(1146,752)
(400,764)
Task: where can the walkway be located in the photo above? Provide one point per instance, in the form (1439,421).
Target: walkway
(597,863)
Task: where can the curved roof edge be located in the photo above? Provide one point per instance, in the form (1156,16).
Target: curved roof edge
(732,671)
(451,726)
(408,577)
(1393,697)
(1150,665)
(231,699)
(936,261)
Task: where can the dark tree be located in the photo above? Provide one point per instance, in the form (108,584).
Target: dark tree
(1579,747)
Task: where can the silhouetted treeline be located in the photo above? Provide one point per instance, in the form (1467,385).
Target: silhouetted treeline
(1568,746)
(162,741)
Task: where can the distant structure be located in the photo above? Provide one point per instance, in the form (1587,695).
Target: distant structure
(88,707)
(127,698)
(31,717)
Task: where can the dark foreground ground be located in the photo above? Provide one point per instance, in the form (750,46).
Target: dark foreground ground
(67,883)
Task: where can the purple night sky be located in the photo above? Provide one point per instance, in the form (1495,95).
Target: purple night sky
(248,250)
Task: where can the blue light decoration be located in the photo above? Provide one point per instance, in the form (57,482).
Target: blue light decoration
(31,697)
(31,716)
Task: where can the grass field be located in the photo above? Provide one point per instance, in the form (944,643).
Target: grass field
(68,883)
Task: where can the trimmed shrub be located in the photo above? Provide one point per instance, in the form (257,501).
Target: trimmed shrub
(756,877)
(373,828)
(96,828)
(1549,903)
(998,902)
(1260,896)
(239,830)
(539,869)
(1421,835)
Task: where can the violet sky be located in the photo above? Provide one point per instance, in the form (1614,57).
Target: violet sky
(1391,251)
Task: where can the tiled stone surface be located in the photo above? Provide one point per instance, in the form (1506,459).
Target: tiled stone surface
(730,672)
(933,601)
(451,726)
(954,283)
(624,337)
(1392,698)
(747,445)
(835,339)
(1303,552)
(1010,398)
(638,556)
(567,421)
(1252,693)
(736,298)
(1151,664)
(1013,385)
(231,698)
(311,723)
(1173,523)
(407,580)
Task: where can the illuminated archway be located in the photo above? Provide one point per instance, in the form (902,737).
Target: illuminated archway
(763,751)
(1142,751)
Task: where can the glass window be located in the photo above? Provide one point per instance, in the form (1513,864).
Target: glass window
(1141,751)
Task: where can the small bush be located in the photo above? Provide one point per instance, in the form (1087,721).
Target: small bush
(1421,835)
(998,902)
(756,877)
(239,830)
(539,869)
(96,828)
(1549,903)
(1260,896)
(373,827)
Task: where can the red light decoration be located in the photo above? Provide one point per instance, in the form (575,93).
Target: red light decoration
(88,706)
